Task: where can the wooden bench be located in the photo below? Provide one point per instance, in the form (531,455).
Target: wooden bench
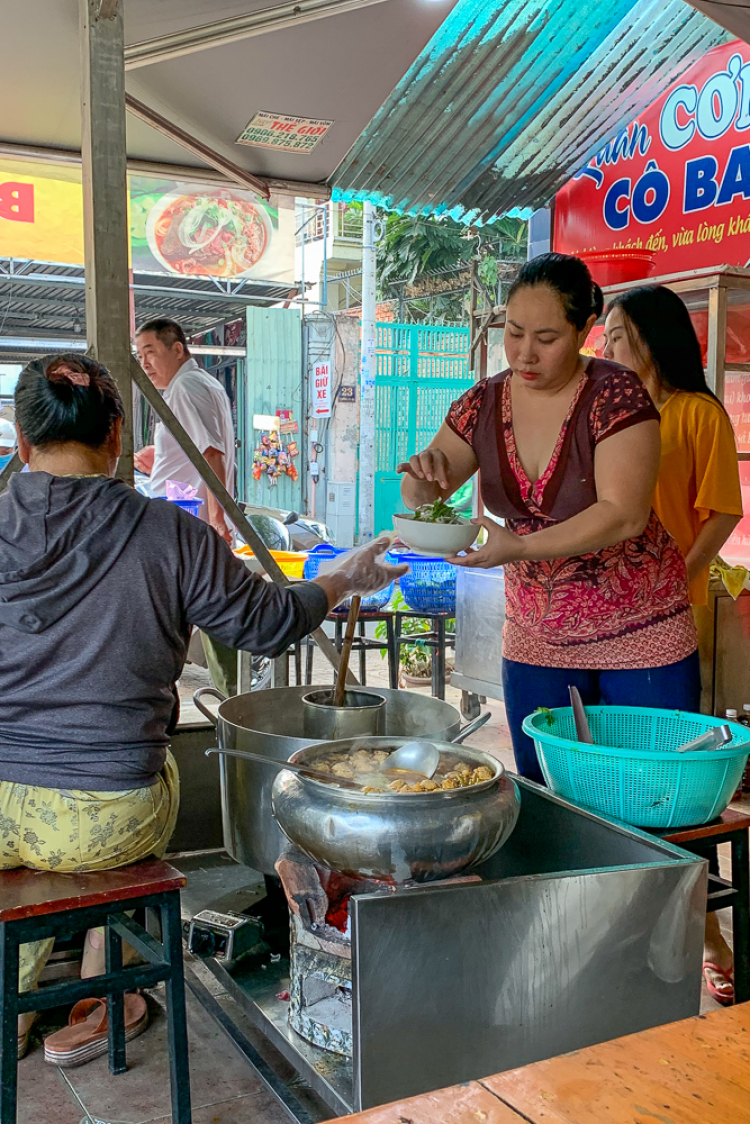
(692,1072)
(36,904)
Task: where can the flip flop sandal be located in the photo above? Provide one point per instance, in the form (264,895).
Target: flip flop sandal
(85,1036)
(726,998)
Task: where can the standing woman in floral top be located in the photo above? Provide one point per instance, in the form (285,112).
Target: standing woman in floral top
(568,451)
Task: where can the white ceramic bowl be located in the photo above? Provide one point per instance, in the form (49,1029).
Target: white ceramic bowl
(440,540)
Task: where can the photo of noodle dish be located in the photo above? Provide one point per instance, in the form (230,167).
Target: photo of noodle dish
(215,234)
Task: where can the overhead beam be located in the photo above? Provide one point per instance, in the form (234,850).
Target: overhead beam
(209,155)
(216,34)
(308,189)
(105,204)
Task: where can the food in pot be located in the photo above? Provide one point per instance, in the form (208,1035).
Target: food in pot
(364,764)
(437,512)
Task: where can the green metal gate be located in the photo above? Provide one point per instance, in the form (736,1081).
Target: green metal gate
(420,371)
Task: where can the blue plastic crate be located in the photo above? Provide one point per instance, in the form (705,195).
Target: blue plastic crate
(429,586)
(193,507)
(632,773)
(370,604)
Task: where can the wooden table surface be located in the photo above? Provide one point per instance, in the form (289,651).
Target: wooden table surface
(692,1072)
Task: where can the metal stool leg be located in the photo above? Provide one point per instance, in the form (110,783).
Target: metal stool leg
(740,916)
(363,656)
(298,663)
(8,1024)
(392,653)
(310,643)
(179,1066)
(115,1004)
(438,661)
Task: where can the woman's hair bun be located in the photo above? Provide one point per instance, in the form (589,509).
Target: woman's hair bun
(570,278)
(67,398)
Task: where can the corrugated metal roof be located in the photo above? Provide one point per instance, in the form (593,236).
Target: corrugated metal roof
(48,299)
(511,97)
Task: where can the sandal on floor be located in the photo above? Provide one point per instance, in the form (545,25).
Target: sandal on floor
(726,998)
(23,1040)
(85,1036)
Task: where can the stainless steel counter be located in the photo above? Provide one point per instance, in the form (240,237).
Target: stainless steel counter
(581,930)
(480,616)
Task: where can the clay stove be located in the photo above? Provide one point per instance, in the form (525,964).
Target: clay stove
(320,954)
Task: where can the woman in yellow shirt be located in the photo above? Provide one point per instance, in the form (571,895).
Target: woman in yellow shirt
(698,498)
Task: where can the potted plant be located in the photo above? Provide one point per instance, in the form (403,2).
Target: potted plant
(415,660)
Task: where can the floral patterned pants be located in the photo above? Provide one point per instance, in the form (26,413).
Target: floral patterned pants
(71,831)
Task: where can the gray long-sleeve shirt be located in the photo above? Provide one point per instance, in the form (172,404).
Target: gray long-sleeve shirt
(99,588)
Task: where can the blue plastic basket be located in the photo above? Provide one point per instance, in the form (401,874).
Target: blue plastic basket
(630,772)
(370,604)
(430,584)
(193,507)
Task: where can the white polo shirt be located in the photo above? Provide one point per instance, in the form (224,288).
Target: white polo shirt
(201,404)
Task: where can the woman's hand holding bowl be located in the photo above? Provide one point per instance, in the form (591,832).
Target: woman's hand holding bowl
(502,546)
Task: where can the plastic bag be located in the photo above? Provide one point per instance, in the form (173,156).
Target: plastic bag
(178,491)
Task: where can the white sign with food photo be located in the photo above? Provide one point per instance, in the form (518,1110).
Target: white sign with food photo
(197,230)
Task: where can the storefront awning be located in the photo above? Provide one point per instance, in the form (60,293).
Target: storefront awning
(511,97)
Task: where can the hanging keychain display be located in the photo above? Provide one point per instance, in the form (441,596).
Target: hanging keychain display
(274,458)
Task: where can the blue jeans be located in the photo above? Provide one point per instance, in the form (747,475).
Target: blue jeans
(527,687)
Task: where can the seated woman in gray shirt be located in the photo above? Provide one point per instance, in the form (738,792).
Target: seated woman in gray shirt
(99,590)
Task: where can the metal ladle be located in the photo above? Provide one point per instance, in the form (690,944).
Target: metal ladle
(422,752)
(303,770)
(420,756)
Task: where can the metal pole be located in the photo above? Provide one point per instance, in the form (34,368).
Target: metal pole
(293,13)
(324,294)
(244,673)
(105,202)
(367,380)
(305,188)
(198,148)
(716,348)
(233,511)
(14,465)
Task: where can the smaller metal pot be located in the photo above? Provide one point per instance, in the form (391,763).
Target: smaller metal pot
(362,715)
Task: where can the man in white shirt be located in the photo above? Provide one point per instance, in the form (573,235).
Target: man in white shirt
(200,403)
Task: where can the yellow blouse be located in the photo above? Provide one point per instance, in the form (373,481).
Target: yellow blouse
(699,473)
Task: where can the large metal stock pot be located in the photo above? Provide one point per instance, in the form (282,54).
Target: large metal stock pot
(391,836)
(271,723)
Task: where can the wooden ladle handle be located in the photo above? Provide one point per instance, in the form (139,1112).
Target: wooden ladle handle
(346,651)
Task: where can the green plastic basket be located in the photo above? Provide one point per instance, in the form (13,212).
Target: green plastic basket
(631,772)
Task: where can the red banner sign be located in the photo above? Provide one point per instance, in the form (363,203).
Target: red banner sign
(676,182)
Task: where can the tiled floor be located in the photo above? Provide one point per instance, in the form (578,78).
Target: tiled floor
(224,1088)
